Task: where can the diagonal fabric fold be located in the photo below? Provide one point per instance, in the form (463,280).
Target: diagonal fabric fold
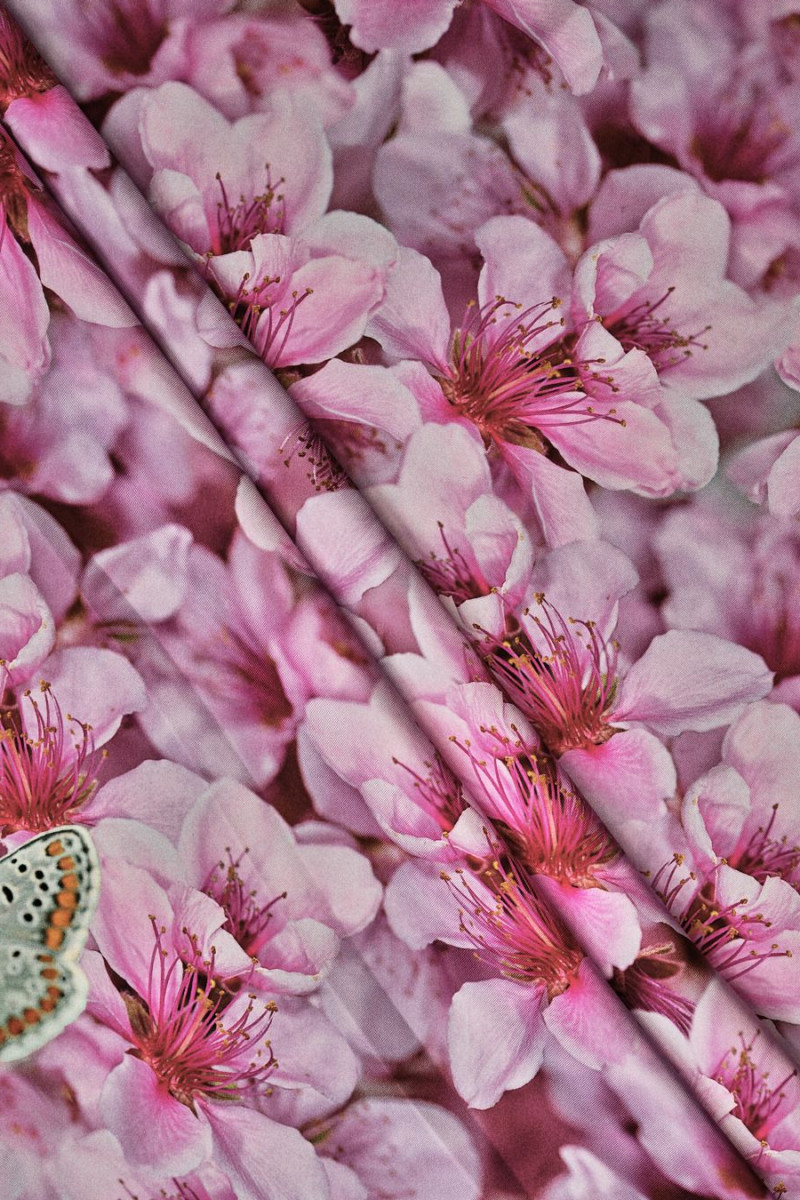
(509,693)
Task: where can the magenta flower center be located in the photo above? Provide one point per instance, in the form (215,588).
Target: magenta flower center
(552,826)
(509,388)
(266,313)
(126,35)
(438,793)
(566,685)
(182,1034)
(771,624)
(640,326)
(758,1100)
(731,935)
(22,71)
(324,473)
(247,918)
(450,573)
(741,137)
(513,933)
(47,777)
(239,221)
(252,684)
(763,856)
(646,983)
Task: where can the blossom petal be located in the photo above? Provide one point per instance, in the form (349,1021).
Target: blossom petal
(691,681)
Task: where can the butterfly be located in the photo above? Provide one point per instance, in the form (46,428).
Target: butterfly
(49,889)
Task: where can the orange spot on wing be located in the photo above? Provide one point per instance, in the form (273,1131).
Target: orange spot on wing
(55,848)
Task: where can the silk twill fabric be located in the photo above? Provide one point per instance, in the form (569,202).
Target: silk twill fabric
(398,561)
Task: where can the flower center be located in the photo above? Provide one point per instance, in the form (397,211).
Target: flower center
(640,326)
(758,1100)
(452,574)
(247,919)
(645,984)
(566,686)
(510,390)
(324,473)
(771,626)
(22,71)
(439,793)
(742,137)
(126,35)
(731,936)
(14,189)
(552,827)
(512,932)
(181,1035)
(763,856)
(45,778)
(238,222)
(252,683)
(265,313)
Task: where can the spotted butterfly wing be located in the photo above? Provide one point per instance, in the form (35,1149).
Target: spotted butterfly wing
(48,893)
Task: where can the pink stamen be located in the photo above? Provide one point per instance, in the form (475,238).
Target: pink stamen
(511,391)
(722,932)
(639,328)
(568,689)
(180,1031)
(247,919)
(513,932)
(645,985)
(439,793)
(324,473)
(551,826)
(240,221)
(451,574)
(46,778)
(758,1100)
(22,71)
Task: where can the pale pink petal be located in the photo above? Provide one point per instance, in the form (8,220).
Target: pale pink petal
(143,579)
(412,321)
(691,681)
(98,687)
(496,1039)
(381,25)
(366,394)
(637,453)
(73,276)
(339,296)
(27,629)
(524,266)
(153,1128)
(566,31)
(605,923)
(563,509)
(589,1020)
(159,794)
(407,1147)
(626,778)
(52,131)
(264,1160)
(364,554)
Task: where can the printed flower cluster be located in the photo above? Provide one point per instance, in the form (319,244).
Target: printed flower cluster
(399,560)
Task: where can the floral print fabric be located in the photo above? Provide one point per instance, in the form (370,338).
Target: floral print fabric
(398,510)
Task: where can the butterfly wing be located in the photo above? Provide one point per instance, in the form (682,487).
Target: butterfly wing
(48,894)
(39,996)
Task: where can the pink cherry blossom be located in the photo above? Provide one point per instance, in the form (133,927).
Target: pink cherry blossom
(203,1052)
(567,31)
(745,592)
